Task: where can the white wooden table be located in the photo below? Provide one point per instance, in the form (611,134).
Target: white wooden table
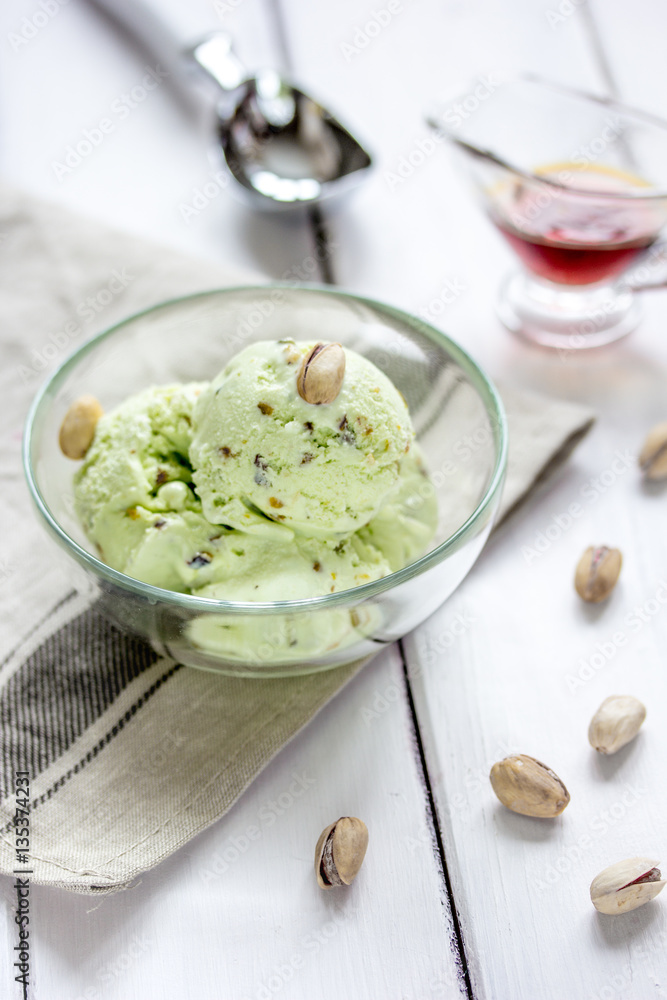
(458,897)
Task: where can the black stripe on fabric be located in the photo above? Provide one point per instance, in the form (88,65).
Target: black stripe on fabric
(62,688)
(103,742)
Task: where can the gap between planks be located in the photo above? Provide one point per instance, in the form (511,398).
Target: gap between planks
(457,937)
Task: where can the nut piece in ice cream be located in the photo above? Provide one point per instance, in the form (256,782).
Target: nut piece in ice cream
(626,885)
(597,573)
(653,456)
(340,852)
(616,722)
(78,427)
(321,374)
(529,787)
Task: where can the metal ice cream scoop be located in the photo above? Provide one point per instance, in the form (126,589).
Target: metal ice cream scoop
(282,147)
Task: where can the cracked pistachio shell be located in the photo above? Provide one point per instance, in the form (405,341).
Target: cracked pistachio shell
(321,374)
(616,722)
(653,456)
(626,885)
(340,852)
(529,787)
(597,573)
(78,427)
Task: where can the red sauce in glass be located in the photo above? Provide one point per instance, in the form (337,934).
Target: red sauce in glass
(577,239)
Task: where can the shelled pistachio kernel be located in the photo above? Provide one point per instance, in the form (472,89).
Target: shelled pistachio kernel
(340,852)
(626,885)
(527,786)
(78,427)
(616,722)
(597,573)
(320,377)
(653,456)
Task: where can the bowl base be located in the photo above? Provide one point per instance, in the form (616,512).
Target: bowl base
(568,319)
(212,665)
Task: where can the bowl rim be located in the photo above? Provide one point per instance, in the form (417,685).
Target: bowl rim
(481,383)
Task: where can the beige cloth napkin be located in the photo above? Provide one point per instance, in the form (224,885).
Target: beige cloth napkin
(130,754)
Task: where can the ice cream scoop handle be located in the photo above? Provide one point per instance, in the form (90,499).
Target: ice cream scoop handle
(174,31)
(166,28)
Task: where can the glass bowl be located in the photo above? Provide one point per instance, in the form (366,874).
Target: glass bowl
(457,415)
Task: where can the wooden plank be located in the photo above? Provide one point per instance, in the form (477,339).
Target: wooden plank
(527,676)
(494,675)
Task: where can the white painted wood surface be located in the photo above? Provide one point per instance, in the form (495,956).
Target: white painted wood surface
(531,664)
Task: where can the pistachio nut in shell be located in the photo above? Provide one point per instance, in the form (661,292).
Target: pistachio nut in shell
(527,786)
(340,852)
(597,573)
(653,456)
(78,427)
(626,885)
(616,722)
(321,374)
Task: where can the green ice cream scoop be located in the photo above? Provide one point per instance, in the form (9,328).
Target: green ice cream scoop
(133,493)
(323,469)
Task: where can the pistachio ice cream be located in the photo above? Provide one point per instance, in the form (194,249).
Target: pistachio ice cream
(323,470)
(243,490)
